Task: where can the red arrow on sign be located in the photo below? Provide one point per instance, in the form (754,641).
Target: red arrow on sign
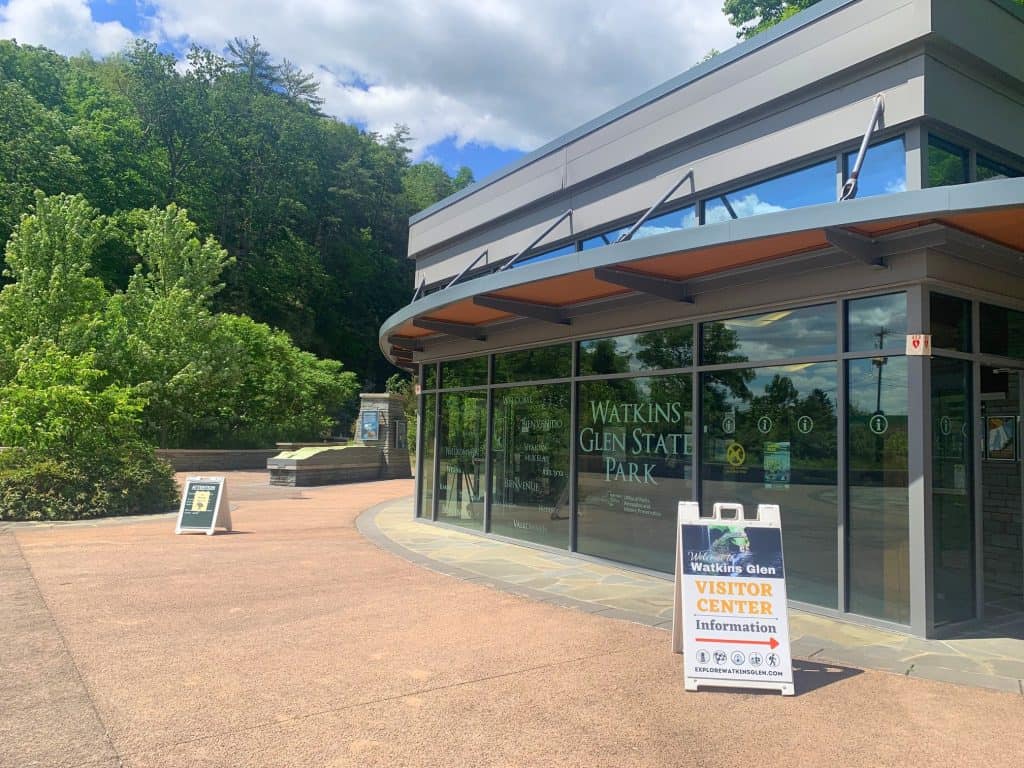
(770,642)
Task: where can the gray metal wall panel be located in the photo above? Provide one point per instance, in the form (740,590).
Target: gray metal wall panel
(985,110)
(993,32)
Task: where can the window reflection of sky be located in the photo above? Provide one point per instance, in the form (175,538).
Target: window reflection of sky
(863,385)
(808,186)
(875,319)
(565,249)
(884,170)
(772,336)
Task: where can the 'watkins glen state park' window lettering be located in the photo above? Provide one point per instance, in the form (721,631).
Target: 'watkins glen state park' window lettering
(635,443)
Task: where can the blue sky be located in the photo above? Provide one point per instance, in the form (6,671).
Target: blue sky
(479,82)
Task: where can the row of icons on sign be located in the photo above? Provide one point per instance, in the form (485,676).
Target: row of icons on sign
(738,658)
(805,424)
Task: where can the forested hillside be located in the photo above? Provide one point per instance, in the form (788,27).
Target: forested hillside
(313,211)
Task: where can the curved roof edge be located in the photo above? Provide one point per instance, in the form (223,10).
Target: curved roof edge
(920,203)
(790,25)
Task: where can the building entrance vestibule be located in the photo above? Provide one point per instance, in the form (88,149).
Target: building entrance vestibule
(1002,493)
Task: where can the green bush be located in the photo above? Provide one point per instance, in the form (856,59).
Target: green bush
(37,487)
(74,450)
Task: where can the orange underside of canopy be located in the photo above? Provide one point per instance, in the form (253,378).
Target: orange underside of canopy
(1004,226)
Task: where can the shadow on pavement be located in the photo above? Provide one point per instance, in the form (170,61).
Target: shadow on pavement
(811,675)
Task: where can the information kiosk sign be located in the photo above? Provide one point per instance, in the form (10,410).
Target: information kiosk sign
(204,506)
(730,598)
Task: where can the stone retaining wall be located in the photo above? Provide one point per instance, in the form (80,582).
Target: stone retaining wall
(211,460)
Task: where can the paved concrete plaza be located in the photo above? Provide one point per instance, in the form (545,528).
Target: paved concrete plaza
(299,641)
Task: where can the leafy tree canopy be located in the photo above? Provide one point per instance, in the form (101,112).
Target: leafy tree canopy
(312,213)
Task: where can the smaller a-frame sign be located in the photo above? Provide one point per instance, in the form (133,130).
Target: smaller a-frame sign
(730,612)
(204,506)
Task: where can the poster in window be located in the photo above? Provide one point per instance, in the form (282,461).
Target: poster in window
(1001,438)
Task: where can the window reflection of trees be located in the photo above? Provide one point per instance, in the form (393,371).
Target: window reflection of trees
(463,434)
(532,364)
(530,470)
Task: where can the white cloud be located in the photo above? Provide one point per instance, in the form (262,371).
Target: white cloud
(66,26)
(510,75)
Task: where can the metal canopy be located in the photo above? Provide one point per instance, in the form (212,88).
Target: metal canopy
(543,312)
(973,221)
(664,288)
(464,330)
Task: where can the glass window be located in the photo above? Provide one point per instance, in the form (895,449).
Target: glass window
(647,351)
(879,512)
(530,480)
(951,322)
(1002,331)
(545,255)
(990,169)
(808,186)
(683,218)
(883,171)
(530,364)
(605,238)
(634,448)
(952,490)
(769,437)
(470,372)
(947,163)
(877,322)
(462,446)
(430,376)
(771,336)
(427,451)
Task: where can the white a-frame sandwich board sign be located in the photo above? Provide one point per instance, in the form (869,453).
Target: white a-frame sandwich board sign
(730,598)
(204,506)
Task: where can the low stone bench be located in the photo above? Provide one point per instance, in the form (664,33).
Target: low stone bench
(320,465)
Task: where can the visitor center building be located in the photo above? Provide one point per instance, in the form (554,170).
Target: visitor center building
(710,293)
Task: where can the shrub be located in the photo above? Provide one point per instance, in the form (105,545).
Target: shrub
(37,487)
(74,446)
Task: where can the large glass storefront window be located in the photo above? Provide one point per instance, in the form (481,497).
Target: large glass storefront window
(767,428)
(530,470)
(952,490)
(769,437)
(879,512)
(427,460)
(462,441)
(634,447)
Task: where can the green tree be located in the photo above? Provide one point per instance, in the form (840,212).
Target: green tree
(73,445)
(755,16)
(49,256)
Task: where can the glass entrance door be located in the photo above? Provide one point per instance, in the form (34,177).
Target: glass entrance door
(1002,493)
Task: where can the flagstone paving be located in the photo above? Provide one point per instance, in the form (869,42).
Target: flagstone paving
(990,657)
